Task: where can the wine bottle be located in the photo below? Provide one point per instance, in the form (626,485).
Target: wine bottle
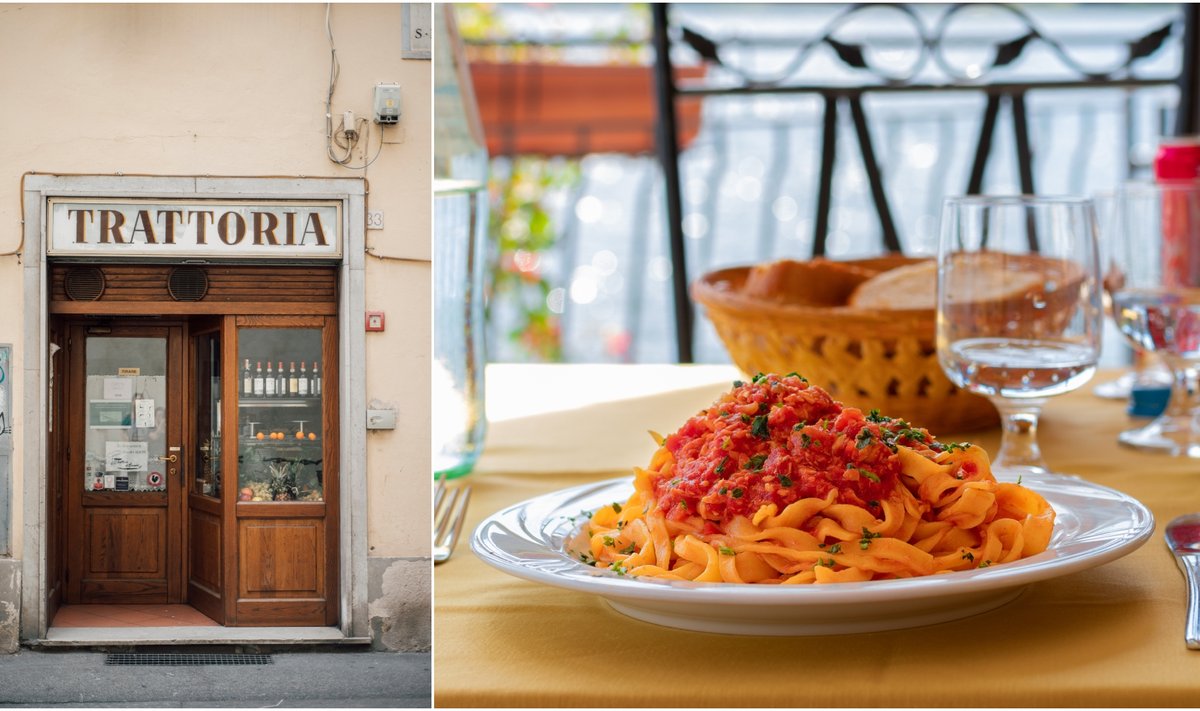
(269,383)
(316,380)
(281,388)
(293,384)
(303,380)
(259,387)
(247,384)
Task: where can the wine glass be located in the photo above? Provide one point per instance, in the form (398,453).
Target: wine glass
(1155,291)
(1147,370)
(1019,313)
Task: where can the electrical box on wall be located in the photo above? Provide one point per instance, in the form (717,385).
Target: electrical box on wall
(387,103)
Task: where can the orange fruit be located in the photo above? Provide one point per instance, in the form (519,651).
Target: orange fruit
(259,435)
(299,435)
(312,435)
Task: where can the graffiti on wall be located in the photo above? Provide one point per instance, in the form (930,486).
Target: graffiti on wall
(5,400)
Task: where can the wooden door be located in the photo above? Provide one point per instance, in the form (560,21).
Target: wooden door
(283,525)
(124,459)
(205,492)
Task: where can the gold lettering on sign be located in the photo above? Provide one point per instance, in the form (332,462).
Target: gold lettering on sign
(267,233)
(80,225)
(314,226)
(111,222)
(142,223)
(223,228)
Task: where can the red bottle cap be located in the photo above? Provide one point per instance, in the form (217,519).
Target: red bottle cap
(1178,159)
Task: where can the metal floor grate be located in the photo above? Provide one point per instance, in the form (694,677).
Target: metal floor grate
(185,660)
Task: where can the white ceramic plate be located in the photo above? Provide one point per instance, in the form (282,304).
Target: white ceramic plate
(1094,525)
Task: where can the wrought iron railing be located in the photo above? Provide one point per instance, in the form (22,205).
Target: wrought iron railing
(875,79)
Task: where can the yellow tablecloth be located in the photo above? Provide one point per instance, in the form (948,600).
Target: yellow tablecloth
(1110,636)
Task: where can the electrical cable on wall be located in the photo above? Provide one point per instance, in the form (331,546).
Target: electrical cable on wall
(345,137)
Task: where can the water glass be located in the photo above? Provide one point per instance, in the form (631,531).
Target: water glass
(1019,310)
(1155,290)
(458,420)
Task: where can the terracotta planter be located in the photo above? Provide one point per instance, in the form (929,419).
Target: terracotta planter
(571,110)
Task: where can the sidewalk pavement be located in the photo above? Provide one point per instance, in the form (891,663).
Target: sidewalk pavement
(75,678)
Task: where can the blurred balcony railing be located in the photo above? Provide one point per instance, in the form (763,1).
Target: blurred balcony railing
(752,184)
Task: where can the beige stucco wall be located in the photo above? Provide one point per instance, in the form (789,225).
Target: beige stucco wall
(237,90)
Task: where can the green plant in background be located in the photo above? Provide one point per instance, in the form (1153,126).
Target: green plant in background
(523,232)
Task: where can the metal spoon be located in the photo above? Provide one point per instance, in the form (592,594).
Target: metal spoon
(1183,538)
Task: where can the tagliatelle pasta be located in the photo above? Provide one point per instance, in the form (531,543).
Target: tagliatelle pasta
(779,483)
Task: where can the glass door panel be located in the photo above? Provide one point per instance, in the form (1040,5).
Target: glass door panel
(206,469)
(280,413)
(125,441)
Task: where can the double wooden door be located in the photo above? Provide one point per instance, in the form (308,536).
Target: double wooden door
(175,494)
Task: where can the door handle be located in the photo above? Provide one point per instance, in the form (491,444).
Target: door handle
(172,459)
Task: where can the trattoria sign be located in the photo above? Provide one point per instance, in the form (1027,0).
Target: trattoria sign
(210,229)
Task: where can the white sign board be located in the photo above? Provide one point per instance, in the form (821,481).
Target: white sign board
(210,229)
(126,456)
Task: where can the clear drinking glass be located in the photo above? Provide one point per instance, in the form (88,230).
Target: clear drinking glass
(1156,301)
(1019,312)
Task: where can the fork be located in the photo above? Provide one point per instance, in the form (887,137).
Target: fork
(449,514)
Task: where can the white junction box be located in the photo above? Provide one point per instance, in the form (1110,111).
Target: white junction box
(387,103)
(381,419)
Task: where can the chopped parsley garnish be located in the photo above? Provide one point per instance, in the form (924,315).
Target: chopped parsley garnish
(721,467)
(874,416)
(727,443)
(835,548)
(746,419)
(868,474)
(616,507)
(1019,477)
(587,559)
(608,541)
(985,564)
(755,463)
(758,377)
(863,439)
(738,383)
(723,413)
(737,493)
(759,428)
(618,567)
(872,502)
(683,505)
(723,491)
(825,562)
(629,549)
(805,440)
(620,525)
(951,446)
(968,555)
(785,480)
(726,550)
(865,541)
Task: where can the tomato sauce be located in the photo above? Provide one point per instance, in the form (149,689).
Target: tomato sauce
(778,439)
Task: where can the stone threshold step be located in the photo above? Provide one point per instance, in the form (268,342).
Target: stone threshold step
(92,636)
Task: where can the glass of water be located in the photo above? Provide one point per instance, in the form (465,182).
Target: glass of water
(1019,308)
(1155,292)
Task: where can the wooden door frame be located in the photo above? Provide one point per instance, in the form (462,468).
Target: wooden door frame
(37,189)
(72,419)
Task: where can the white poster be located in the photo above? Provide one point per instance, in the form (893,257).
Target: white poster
(126,456)
(143,413)
(118,388)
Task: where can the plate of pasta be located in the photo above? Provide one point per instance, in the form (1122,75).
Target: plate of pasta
(779,511)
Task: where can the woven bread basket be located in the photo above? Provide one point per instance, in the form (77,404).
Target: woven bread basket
(793,317)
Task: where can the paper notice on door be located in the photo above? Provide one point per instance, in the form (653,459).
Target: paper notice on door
(118,388)
(126,456)
(143,413)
